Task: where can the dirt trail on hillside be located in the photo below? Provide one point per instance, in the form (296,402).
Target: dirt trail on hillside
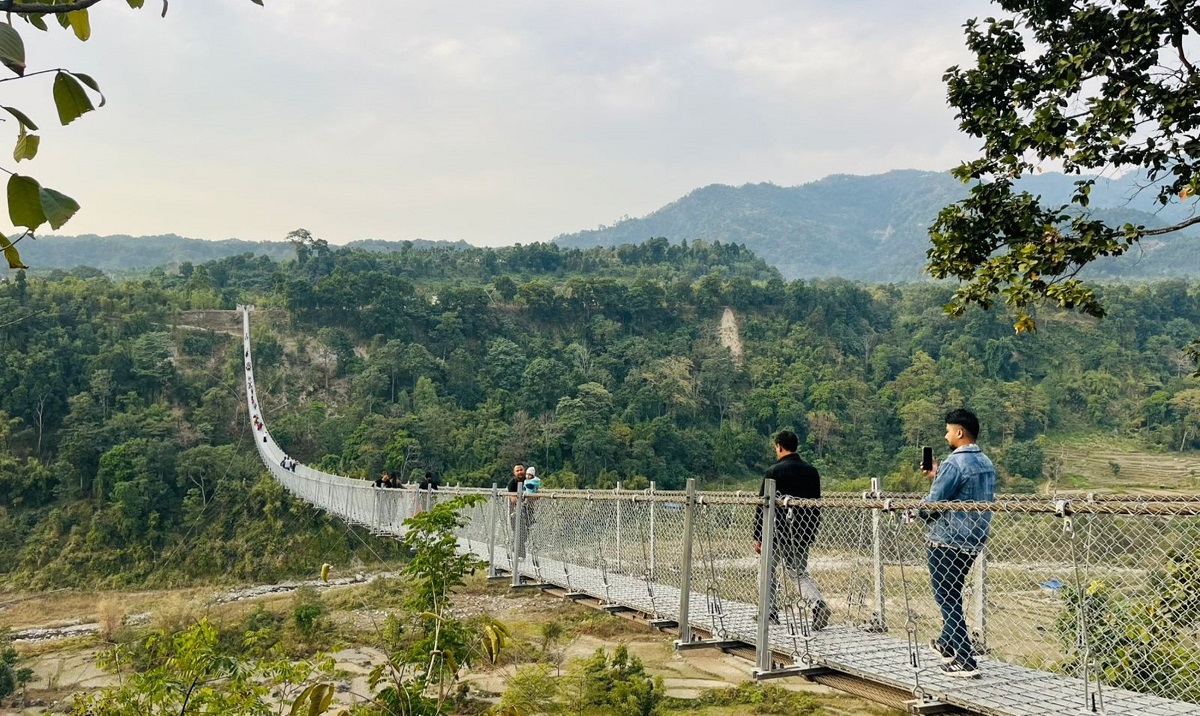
(730,337)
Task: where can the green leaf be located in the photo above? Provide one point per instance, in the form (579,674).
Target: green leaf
(257,2)
(24,203)
(62,20)
(58,207)
(136,4)
(11,254)
(27,146)
(87,80)
(300,701)
(319,700)
(37,21)
(12,49)
(80,24)
(70,98)
(25,121)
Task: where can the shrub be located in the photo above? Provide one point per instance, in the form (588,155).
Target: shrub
(761,698)
(1142,642)
(12,677)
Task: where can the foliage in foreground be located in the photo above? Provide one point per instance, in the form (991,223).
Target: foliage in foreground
(600,685)
(1094,86)
(618,685)
(420,678)
(196,671)
(30,205)
(1143,642)
(189,673)
(759,698)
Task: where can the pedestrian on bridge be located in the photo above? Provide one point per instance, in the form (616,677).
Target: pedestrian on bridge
(956,537)
(796,527)
(517,485)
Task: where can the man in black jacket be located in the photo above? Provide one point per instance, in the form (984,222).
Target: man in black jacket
(795,527)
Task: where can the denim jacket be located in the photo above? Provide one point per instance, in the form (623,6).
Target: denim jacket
(967,475)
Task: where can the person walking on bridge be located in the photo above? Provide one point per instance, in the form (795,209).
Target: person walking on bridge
(517,485)
(795,527)
(955,538)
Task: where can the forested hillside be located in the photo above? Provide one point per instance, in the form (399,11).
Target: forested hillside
(121,253)
(126,460)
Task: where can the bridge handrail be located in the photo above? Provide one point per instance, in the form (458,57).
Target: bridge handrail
(846,500)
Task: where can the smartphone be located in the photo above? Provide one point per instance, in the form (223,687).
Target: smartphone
(927,458)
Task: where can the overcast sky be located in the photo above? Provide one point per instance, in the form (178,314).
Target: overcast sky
(490,121)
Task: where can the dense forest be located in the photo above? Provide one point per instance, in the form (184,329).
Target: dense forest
(125,458)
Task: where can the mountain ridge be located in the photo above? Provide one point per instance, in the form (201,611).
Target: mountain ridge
(871,228)
(875,227)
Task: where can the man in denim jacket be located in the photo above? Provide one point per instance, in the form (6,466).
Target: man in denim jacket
(956,538)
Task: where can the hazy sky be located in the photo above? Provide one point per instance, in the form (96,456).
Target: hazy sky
(491,121)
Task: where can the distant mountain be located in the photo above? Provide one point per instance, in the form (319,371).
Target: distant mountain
(125,253)
(874,228)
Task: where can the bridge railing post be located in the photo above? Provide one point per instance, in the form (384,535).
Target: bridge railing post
(880,620)
(518,548)
(618,494)
(653,539)
(428,498)
(766,579)
(685,576)
(981,600)
(494,507)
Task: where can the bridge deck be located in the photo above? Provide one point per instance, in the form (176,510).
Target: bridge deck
(1003,689)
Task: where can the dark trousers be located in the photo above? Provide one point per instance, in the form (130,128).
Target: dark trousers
(793,555)
(948,569)
(526,524)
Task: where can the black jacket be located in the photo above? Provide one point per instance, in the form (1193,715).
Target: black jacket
(793,478)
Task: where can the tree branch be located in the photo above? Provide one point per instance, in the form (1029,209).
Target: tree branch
(1169,229)
(32,74)
(1177,41)
(44,8)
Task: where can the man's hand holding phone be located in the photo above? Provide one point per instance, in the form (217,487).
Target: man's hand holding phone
(929,466)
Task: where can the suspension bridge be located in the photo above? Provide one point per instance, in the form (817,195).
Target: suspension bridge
(1080,604)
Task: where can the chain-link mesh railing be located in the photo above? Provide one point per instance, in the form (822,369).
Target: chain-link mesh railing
(1073,602)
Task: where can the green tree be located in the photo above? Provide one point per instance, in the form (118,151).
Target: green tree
(1187,406)
(12,676)
(614,685)
(416,679)
(1088,85)
(1024,459)
(1141,643)
(532,690)
(190,673)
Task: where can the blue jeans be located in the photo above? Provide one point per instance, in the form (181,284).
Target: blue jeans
(948,569)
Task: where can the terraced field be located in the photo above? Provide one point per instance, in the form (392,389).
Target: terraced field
(1088,463)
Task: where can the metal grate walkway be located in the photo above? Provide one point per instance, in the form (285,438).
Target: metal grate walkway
(1003,689)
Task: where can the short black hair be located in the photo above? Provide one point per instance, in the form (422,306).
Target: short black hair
(519,464)
(428,475)
(787,440)
(964,419)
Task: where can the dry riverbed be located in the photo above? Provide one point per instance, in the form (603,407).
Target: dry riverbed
(74,626)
